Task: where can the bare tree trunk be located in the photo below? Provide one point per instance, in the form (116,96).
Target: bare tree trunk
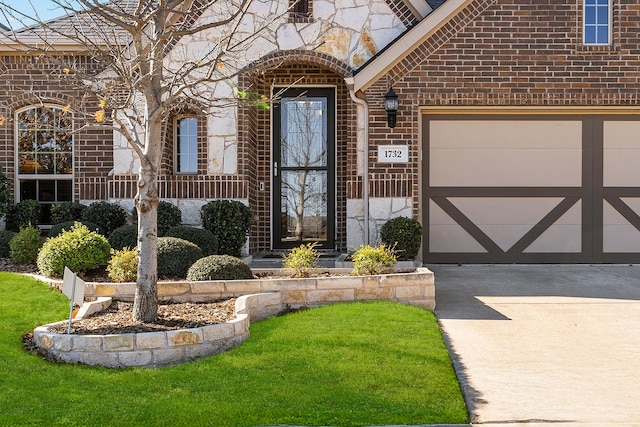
(145,306)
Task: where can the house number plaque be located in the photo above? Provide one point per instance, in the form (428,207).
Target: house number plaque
(393,154)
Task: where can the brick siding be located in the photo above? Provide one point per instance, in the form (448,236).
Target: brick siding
(32,81)
(509,53)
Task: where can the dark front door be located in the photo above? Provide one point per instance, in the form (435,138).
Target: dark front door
(304,168)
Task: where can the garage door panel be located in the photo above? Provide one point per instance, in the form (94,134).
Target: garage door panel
(621,167)
(505,134)
(620,225)
(559,238)
(446,235)
(501,211)
(563,236)
(485,168)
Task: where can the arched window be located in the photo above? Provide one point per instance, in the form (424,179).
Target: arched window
(186,145)
(44,156)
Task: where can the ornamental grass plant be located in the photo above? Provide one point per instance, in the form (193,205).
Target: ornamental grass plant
(355,364)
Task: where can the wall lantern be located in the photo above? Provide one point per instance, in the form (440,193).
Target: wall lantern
(391,107)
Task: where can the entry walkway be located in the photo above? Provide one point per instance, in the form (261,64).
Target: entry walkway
(549,345)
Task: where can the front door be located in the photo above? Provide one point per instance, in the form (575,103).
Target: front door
(304,168)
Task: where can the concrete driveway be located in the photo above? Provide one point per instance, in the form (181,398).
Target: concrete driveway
(545,344)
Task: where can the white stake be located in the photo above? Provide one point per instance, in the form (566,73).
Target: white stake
(73,292)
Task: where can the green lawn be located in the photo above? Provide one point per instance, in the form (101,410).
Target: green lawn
(341,365)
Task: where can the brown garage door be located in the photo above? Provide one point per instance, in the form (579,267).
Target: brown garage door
(531,188)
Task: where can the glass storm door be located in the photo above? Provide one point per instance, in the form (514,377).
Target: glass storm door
(303,168)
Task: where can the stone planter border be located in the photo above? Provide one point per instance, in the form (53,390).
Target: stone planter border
(257,299)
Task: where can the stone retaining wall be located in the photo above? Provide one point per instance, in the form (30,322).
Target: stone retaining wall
(154,349)
(257,299)
(414,288)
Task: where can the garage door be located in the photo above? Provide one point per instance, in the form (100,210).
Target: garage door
(531,189)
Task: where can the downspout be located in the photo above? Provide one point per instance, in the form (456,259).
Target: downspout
(363,134)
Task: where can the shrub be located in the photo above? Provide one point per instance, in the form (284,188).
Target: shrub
(5,194)
(124,236)
(67,225)
(25,245)
(123,265)
(78,248)
(404,235)
(201,237)
(168,216)
(219,267)
(5,238)
(301,259)
(108,216)
(67,211)
(175,256)
(229,221)
(372,260)
(23,214)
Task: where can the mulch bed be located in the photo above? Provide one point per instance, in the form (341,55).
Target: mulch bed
(117,319)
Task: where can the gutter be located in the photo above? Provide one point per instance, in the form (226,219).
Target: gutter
(362,125)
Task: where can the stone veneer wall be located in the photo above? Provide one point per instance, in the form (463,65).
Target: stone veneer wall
(257,299)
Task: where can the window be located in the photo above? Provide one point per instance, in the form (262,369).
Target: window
(300,10)
(187,145)
(597,22)
(44,157)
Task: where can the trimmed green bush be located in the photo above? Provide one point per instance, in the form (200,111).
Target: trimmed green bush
(301,259)
(219,267)
(79,249)
(201,237)
(124,236)
(169,216)
(108,216)
(123,265)
(175,256)
(5,238)
(67,211)
(404,235)
(24,246)
(372,260)
(229,221)
(23,214)
(5,194)
(67,225)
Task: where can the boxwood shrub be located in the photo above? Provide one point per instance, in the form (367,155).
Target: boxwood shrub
(23,214)
(219,267)
(67,211)
(229,221)
(5,238)
(25,245)
(123,265)
(175,256)
(404,235)
(108,216)
(201,237)
(79,249)
(168,216)
(56,229)
(124,236)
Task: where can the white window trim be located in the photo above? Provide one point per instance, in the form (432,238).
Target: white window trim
(35,177)
(176,144)
(610,25)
